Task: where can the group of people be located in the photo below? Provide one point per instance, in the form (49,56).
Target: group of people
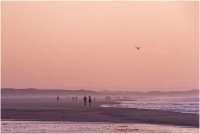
(107,97)
(89,100)
(74,98)
(116,98)
(84,99)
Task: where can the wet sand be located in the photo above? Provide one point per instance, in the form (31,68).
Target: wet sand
(68,111)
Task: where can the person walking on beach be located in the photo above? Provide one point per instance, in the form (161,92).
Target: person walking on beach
(57,98)
(85,100)
(90,101)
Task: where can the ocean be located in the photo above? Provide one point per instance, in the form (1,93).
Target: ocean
(182,105)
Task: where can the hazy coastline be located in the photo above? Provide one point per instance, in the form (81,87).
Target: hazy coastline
(34,91)
(45,109)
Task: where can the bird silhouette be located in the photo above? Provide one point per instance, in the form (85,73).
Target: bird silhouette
(137,48)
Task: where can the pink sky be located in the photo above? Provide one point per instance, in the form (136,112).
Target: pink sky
(91,45)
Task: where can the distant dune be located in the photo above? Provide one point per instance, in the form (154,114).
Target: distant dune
(33,91)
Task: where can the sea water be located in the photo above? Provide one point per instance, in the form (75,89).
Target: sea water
(183,105)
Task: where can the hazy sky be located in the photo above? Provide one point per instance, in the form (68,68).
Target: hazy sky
(91,45)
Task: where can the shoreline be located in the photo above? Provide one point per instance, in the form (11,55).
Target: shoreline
(50,110)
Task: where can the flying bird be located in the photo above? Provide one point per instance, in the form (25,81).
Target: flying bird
(137,48)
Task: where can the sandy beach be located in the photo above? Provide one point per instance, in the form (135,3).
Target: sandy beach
(90,127)
(25,112)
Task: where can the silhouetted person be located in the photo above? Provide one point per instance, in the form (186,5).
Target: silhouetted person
(57,98)
(94,99)
(90,101)
(85,100)
(76,98)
